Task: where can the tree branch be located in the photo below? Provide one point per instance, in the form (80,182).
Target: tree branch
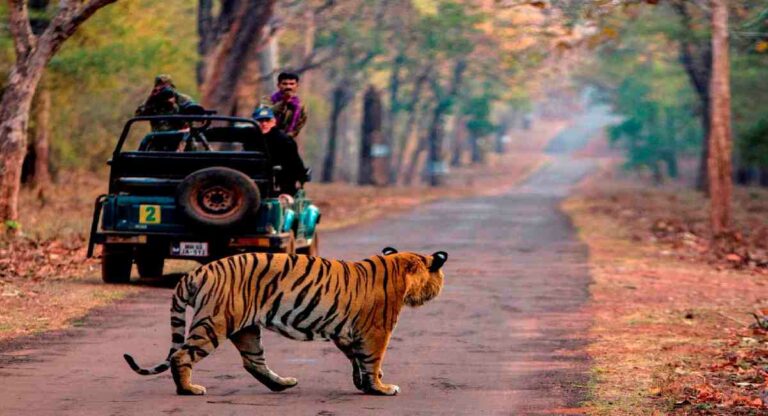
(23,38)
(67,20)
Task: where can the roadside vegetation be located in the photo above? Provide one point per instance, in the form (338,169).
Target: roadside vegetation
(680,325)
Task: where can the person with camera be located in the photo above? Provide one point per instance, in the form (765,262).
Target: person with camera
(165,100)
(290,112)
(283,151)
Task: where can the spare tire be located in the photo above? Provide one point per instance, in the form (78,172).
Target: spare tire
(218,197)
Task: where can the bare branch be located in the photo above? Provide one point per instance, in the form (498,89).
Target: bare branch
(310,63)
(67,20)
(23,38)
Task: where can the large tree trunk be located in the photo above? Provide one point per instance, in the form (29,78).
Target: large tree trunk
(32,54)
(696,57)
(436,168)
(233,41)
(719,161)
(41,178)
(338,102)
(269,62)
(459,138)
(14,120)
(374,152)
(400,151)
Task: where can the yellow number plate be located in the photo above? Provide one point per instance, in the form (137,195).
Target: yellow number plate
(149,214)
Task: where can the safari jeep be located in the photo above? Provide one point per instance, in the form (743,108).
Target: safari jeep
(205,191)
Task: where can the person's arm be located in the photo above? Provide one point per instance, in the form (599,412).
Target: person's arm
(183,99)
(300,122)
(143,109)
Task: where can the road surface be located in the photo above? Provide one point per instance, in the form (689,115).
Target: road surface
(506,336)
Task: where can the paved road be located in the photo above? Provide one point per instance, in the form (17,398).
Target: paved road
(505,337)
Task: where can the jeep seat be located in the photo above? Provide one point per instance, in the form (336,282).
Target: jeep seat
(161,141)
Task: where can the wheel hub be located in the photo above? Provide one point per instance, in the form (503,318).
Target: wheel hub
(217,200)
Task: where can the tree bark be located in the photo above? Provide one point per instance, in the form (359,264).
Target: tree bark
(41,178)
(719,161)
(436,168)
(339,101)
(32,54)
(696,58)
(400,150)
(374,152)
(459,138)
(234,40)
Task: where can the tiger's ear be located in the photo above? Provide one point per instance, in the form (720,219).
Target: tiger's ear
(438,259)
(388,250)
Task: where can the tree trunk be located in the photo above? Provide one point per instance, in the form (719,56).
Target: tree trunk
(459,137)
(269,62)
(338,103)
(32,54)
(236,42)
(14,119)
(696,58)
(400,151)
(410,171)
(719,162)
(436,168)
(477,152)
(41,178)
(374,152)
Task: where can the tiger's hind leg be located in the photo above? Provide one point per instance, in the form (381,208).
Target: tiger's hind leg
(248,342)
(198,345)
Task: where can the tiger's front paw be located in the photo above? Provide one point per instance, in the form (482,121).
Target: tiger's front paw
(192,390)
(383,390)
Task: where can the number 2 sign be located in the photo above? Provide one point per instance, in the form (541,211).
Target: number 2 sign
(149,214)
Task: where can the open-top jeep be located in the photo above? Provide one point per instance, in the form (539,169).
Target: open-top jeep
(205,191)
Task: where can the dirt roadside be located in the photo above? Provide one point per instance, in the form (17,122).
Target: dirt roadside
(46,283)
(671,321)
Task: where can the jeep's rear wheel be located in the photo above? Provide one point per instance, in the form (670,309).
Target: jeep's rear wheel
(150,263)
(218,197)
(116,264)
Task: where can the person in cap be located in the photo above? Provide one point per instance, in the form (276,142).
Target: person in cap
(290,113)
(283,151)
(164,100)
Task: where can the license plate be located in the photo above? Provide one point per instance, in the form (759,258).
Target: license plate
(190,249)
(149,214)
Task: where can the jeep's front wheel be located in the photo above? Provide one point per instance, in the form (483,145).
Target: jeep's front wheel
(116,264)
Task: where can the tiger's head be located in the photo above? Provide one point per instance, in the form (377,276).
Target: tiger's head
(423,275)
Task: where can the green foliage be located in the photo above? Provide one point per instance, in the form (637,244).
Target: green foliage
(105,71)
(641,78)
(639,72)
(477,109)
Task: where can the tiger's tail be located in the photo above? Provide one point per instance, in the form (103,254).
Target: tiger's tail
(184,294)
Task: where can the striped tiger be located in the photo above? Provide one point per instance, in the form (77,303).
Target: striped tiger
(353,304)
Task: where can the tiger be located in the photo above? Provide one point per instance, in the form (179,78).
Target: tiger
(354,304)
